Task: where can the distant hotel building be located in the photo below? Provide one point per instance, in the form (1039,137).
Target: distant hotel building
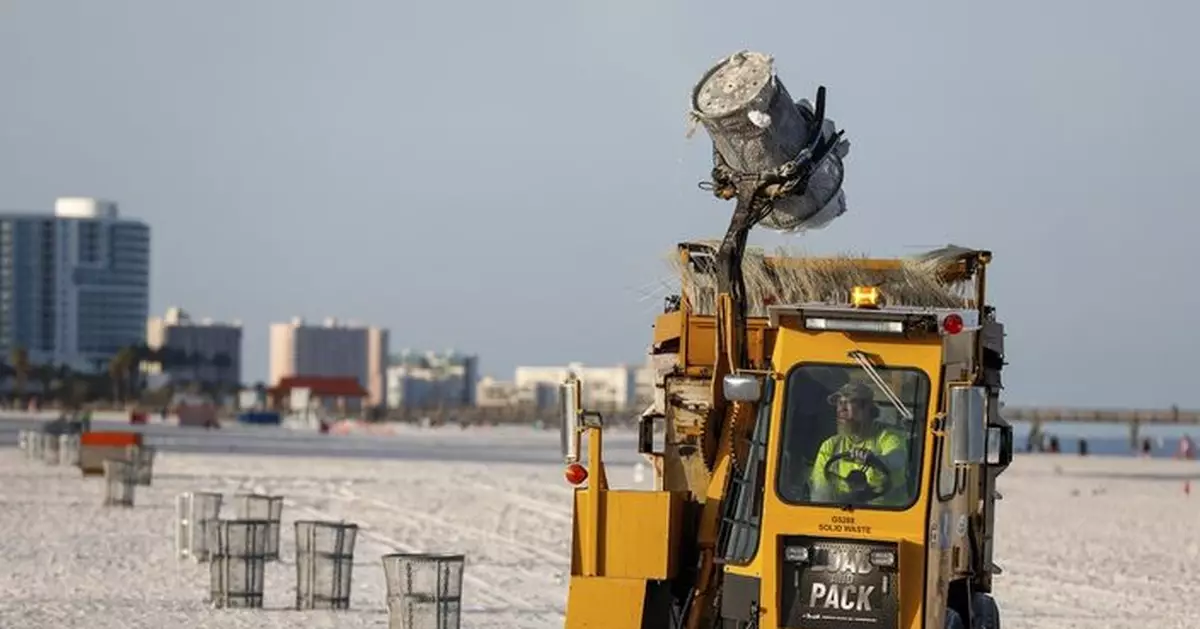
(620,387)
(608,387)
(431,380)
(202,351)
(74,285)
(332,349)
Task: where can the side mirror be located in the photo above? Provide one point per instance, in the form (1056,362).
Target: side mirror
(740,387)
(570,401)
(999,445)
(967,413)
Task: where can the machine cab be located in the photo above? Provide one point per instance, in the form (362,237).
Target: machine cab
(852,507)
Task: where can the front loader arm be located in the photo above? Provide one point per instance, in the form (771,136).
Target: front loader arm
(754,197)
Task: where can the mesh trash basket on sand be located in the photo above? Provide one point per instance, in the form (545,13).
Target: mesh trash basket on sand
(424,591)
(23,437)
(260,507)
(142,458)
(50,448)
(33,445)
(237,565)
(324,564)
(196,517)
(68,449)
(119,483)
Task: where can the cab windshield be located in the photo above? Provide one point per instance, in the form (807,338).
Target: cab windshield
(844,442)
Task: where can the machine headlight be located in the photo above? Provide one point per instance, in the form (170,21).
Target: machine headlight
(883,558)
(796,553)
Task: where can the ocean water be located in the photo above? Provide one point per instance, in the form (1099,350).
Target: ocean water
(1108,439)
(1102,438)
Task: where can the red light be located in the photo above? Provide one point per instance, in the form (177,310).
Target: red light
(576,474)
(952,324)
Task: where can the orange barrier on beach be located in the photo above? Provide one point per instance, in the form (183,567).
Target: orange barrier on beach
(118,438)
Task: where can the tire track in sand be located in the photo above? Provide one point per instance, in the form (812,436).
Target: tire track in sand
(496,595)
(553,510)
(527,560)
(533,564)
(531,551)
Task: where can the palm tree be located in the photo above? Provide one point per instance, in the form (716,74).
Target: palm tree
(6,372)
(118,370)
(260,394)
(139,354)
(20,365)
(72,394)
(45,375)
(172,359)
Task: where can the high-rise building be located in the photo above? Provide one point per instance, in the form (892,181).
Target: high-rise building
(332,349)
(197,350)
(74,285)
(377,362)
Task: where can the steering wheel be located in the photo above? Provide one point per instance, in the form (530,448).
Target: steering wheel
(860,489)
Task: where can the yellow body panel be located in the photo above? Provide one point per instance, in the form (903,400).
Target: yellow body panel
(705,434)
(638,533)
(695,336)
(907,528)
(625,542)
(605,603)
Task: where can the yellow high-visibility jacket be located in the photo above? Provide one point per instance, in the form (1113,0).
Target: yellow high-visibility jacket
(886,444)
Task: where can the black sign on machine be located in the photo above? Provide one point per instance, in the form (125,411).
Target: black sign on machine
(833,585)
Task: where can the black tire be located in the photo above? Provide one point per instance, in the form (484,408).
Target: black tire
(985,613)
(954,620)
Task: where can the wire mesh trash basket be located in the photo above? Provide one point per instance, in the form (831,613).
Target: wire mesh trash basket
(33,445)
(324,564)
(119,483)
(23,437)
(196,517)
(49,448)
(68,449)
(424,590)
(261,507)
(238,565)
(142,458)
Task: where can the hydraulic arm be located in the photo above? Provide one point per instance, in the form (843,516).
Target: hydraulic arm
(756,195)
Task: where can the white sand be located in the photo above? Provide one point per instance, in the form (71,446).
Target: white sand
(1079,549)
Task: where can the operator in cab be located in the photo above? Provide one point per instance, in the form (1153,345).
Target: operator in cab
(865,462)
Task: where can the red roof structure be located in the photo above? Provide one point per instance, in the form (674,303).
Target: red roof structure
(320,386)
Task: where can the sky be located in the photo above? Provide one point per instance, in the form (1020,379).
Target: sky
(507,178)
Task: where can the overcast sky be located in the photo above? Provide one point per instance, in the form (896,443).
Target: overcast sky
(506,177)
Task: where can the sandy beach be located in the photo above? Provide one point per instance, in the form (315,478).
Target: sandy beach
(1100,542)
